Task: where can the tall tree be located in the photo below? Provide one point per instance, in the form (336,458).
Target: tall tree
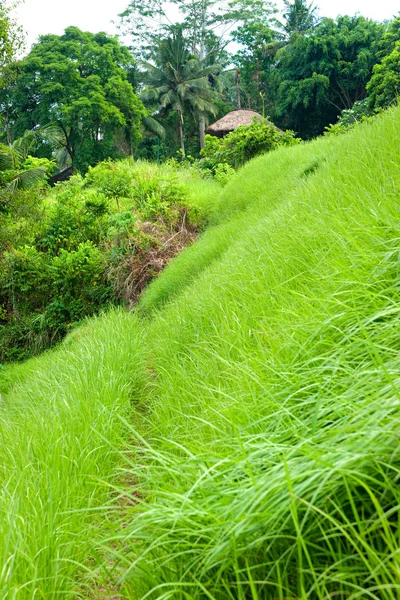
(11,45)
(262,38)
(79,82)
(207,24)
(299,17)
(253,61)
(179,81)
(11,36)
(146,21)
(323,73)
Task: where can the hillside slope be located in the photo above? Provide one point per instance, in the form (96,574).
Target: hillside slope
(260,458)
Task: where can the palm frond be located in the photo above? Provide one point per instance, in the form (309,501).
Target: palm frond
(32,137)
(6,158)
(63,158)
(154,126)
(149,94)
(24,144)
(26,179)
(169,98)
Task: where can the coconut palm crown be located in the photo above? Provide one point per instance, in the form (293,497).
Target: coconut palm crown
(180,81)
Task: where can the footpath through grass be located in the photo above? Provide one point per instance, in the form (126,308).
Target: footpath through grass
(262,460)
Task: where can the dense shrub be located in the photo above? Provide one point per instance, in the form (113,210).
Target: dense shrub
(66,254)
(113,179)
(42,295)
(77,216)
(243,144)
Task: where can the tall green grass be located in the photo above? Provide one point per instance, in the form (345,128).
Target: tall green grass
(59,428)
(201,192)
(270,464)
(264,460)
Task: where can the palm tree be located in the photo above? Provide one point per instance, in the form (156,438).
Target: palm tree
(179,81)
(300,17)
(12,157)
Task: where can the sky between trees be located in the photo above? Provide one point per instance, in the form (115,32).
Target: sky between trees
(53,16)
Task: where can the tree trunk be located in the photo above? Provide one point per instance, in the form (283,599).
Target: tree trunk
(237,81)
(202,125)
(182,141)
(202,120)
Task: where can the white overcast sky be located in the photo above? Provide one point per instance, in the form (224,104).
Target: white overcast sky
(53,16)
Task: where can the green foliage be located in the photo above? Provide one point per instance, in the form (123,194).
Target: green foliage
(79,82)
(66,256)
(32,162)
(223,173)
(121,226)
(241,441)
(59,278)
(322,73)
(21,171)
(254,60)
(300,17)
(206,23)
(78,283)
(158,195)
(43,295)
(180,82)
(359,113)
(77,216)
(244,143)
(11,39)
(384,87)
(114,180)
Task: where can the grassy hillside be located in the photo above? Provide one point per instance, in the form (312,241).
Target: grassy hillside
(239,436)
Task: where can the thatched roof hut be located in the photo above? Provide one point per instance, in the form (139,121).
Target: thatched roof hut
(231,121)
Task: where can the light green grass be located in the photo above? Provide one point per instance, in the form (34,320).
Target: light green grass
(59,424)
(264,462)
(273,460)
(202,193)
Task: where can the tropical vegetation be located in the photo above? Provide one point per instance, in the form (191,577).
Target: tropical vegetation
(237,435)
(199,349)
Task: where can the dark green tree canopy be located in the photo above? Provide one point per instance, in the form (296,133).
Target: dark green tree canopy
(324,72)
(79,82)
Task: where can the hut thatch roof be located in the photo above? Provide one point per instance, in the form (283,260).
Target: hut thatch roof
(231,121)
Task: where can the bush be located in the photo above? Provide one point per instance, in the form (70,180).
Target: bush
(32,162)
(78,283)
(113,179)
(41,296)
(63,254)
(78,216)
(349,118)
(243,144)
(223,173)
(24,279)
